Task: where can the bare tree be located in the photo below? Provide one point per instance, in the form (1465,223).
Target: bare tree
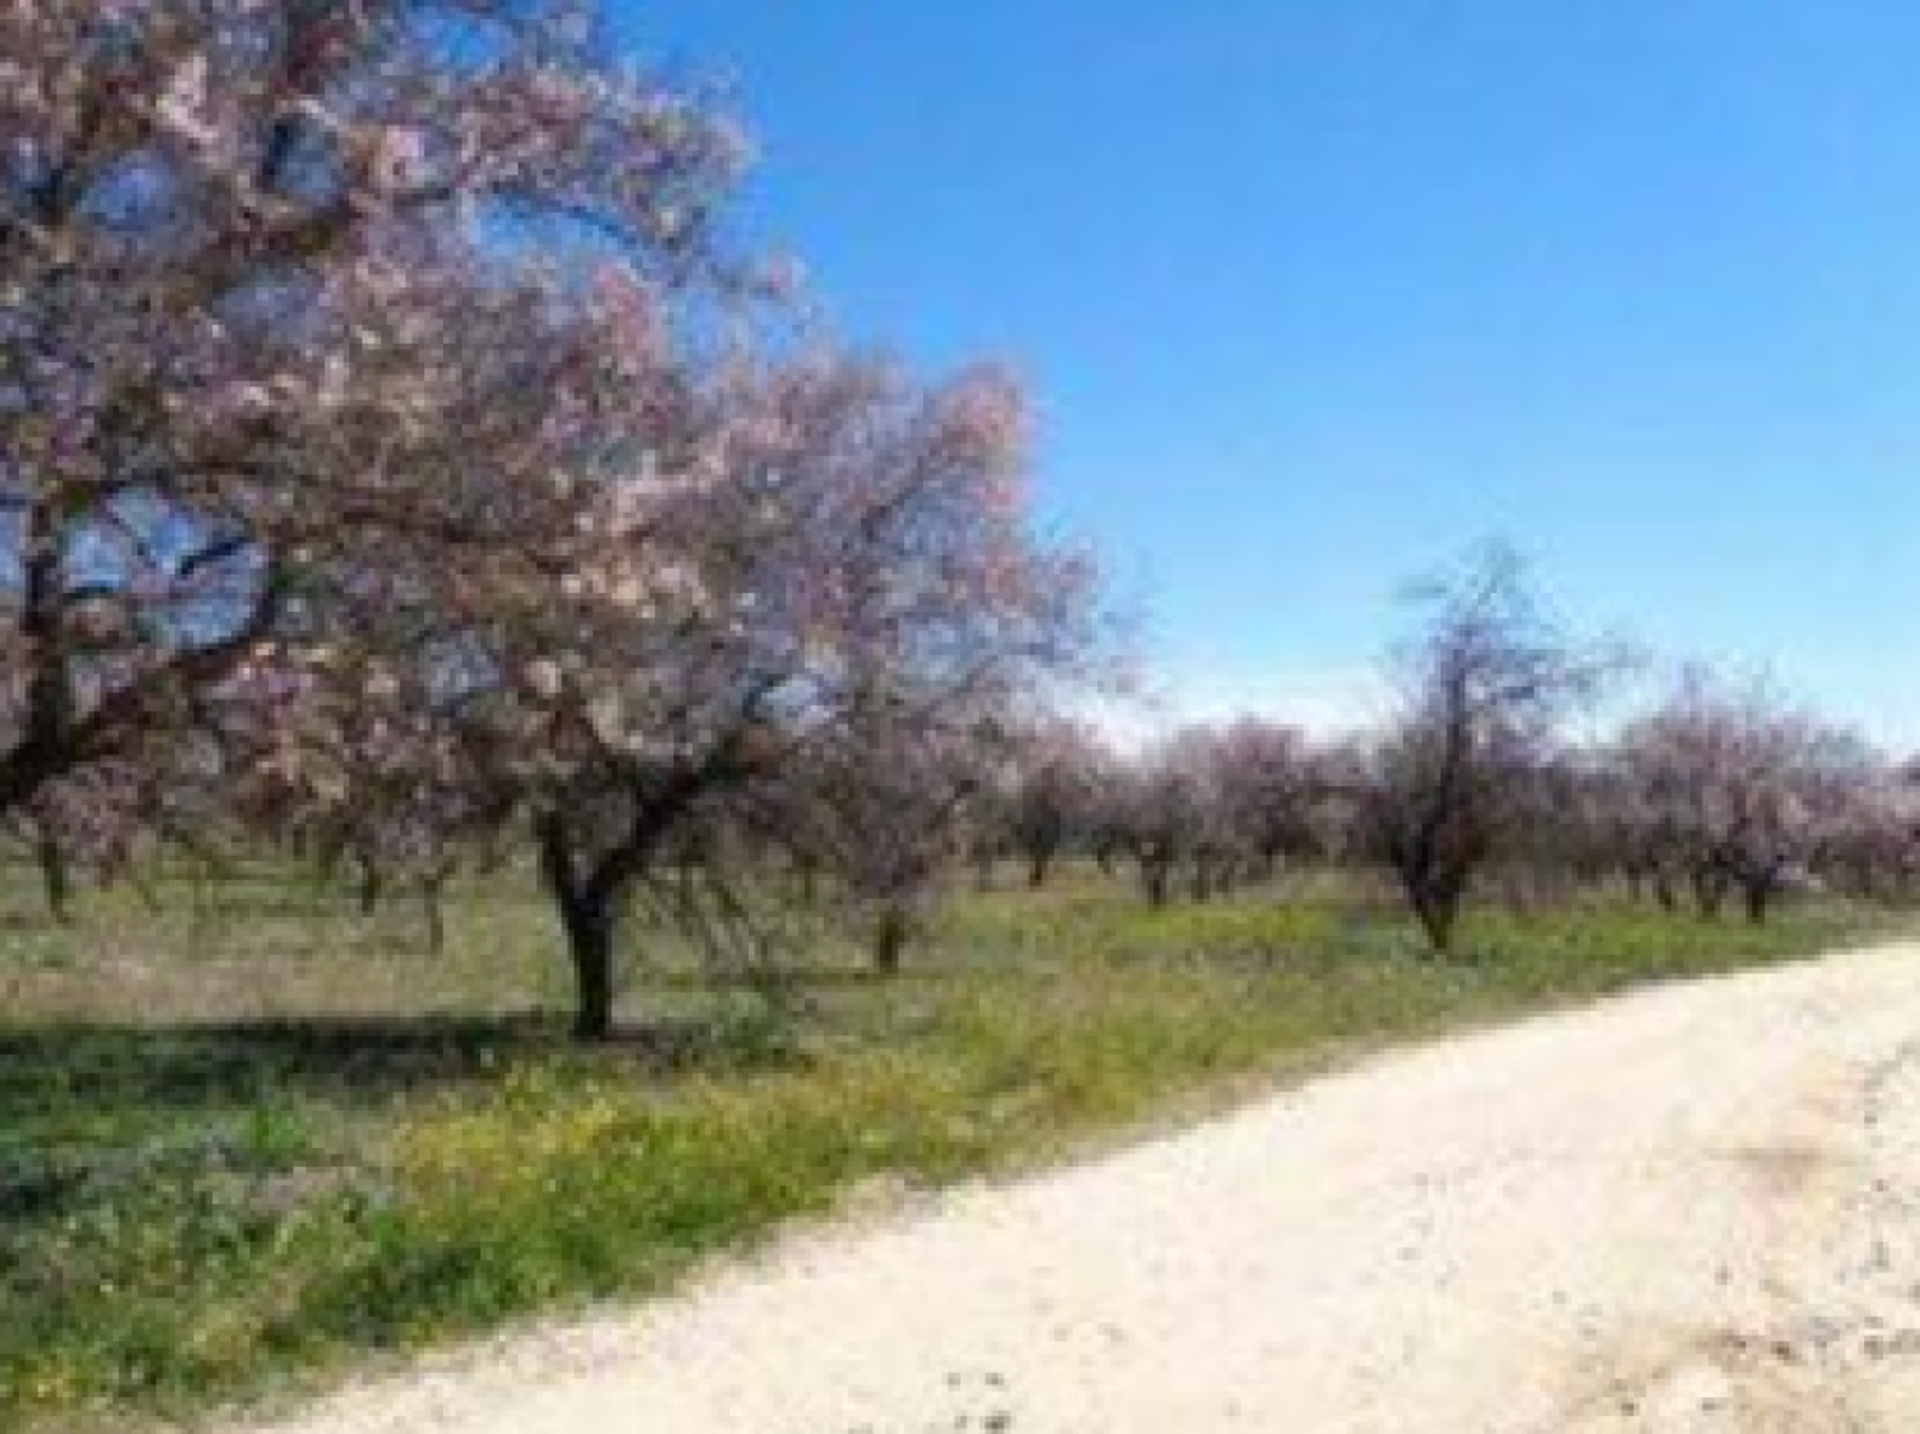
(1485,690)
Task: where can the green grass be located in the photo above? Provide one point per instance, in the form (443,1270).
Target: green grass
(250,1146)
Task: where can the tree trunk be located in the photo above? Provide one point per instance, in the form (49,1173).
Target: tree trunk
(890,941)
(54,874)
(1039,864)
(370,884)
(587,909)
(1759,900)
(1436,905)
(430,899)
(590,930)
(1436,920)
(1664,893)
(1709,892)
(1154,877)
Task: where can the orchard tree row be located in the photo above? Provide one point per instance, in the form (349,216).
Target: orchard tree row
(1485,775)
(398,468)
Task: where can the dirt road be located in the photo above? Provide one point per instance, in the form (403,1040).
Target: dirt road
(1694,1209)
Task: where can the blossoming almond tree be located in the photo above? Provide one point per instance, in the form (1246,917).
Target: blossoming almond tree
(229,230)
(1049,791)
(800,538)
(1740,791)
(379,723)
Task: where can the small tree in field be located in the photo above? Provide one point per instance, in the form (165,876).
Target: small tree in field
(377,771)
(1484,691)
(1871,844)
(1051,792)
(797,540)
(1740,791)
(1265,792)
(1166,814)
(87,826)
(889,803)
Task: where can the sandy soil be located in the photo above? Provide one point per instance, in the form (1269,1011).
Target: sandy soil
(1694,1209)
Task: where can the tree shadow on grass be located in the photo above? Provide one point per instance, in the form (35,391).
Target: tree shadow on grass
(93,1114)
(355,1061)
(798,980)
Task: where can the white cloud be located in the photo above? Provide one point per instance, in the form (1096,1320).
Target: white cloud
(1337,701)
(1325,702)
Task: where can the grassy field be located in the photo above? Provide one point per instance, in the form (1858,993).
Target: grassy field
(249,1135)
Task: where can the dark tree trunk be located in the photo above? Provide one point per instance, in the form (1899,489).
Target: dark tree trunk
(43,751)
(890,937)
(370,884)
(587,906)
(54,874)
(1759,894)
(1664,893)
(1154,877)
(431,888)
(590,931)
(1437,917)
(1709,892)
(1436,898)
(1039,867)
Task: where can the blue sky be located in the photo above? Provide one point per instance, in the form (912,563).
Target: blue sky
(1314,294)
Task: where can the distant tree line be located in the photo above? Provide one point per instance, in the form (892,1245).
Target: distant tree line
(1719,792)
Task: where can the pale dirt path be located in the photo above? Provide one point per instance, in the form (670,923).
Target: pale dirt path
(1693,1209)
